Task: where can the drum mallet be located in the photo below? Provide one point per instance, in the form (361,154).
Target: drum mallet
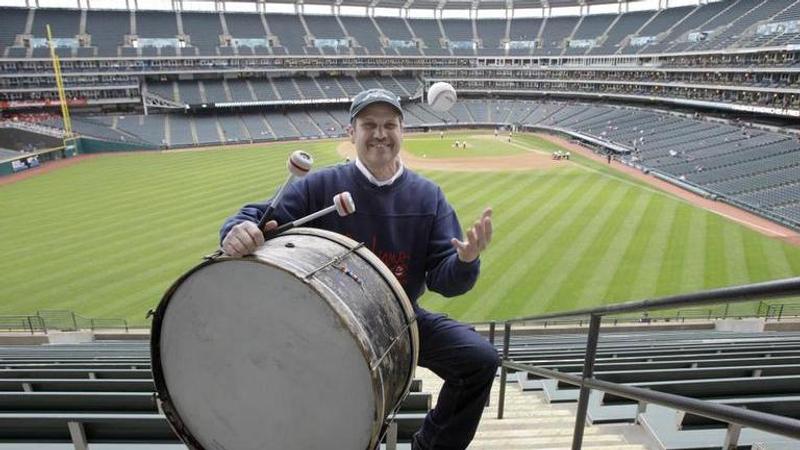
(298,164)
(342,204)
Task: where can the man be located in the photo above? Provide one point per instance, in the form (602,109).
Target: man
(405,220)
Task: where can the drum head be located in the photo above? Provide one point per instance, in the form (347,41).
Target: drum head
(255,359)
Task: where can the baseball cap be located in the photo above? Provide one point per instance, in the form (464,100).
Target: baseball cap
(370,96)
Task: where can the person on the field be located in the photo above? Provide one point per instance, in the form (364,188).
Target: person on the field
(405,220)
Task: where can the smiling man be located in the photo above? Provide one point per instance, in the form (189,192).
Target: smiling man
(407,222)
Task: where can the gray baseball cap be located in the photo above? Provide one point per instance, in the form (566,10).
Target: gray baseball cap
(370,96)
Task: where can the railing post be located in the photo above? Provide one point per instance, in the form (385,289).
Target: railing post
(503,371)
(74,322)
(491,341)
(725,314)
(780,312)
(732,437)
(588,369)
(30,325)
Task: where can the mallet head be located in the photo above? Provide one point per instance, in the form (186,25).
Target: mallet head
(299,163)
(344,203)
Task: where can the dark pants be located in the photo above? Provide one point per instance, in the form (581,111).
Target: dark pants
(467,363)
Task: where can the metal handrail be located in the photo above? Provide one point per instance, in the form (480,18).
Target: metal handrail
(737,417)
(772,423)
(736,294)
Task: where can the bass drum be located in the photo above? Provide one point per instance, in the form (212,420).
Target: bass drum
(310,343)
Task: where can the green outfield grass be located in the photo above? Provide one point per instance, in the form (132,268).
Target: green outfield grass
(106,237)
(478,144)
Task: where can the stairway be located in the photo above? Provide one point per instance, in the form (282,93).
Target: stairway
(531,423)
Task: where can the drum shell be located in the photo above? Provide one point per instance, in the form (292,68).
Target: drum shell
(362,292)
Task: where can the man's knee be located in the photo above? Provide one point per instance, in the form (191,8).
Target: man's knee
(487,358)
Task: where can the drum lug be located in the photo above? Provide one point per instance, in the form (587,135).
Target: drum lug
(213,256)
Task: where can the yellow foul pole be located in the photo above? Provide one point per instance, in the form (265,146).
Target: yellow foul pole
(62,97)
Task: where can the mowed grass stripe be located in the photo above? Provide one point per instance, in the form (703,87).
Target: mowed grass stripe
(106,237)
(140,260)
(519,284)
(495,192)
(512,223)
(643,284)
(202,198)
(756,259)
(692,271)
(591,278)
(777,263)
(735,263)
(507,206)
(100,233)
(161,236)
(792,256)
(676,252)
(527,248)
(157,199)
(116,293)
(592,238)
(716,269)
(624,274)
(125,173)
(100,203)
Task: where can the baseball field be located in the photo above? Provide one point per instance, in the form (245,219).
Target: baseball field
(106,236)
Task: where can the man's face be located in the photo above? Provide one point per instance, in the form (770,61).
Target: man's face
(377,134)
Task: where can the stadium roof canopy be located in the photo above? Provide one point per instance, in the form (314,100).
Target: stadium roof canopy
(459,4)
(442,8)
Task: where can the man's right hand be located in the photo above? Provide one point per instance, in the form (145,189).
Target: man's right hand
(245,238)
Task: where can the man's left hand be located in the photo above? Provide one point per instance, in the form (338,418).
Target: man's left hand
(478,237)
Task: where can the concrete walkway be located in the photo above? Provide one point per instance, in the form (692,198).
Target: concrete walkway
(531,423)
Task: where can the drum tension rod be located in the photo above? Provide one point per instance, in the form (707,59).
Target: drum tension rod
(335,260)
(374,366)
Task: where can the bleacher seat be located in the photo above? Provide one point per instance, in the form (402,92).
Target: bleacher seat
(38,404)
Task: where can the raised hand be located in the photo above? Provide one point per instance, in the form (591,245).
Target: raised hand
(477,238)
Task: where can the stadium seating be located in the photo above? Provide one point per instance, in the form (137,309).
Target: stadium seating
(107,387)
(429,32)
(289,30)
(712,26)
(589,29)
(755,370)
(364,32)
(13,24)
(626,25)
(207,130)
(700,15)
(204,30)
(554,33)
(492,33)
(738,20)
(107,30)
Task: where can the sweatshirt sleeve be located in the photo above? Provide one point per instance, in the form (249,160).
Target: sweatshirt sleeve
(446,274)
(293,205)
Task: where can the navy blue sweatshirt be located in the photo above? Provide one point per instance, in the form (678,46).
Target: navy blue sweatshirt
(407,224)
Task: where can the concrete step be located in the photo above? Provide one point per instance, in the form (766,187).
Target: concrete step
(530,423)
(484,434)
(540,442)
(513,423)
